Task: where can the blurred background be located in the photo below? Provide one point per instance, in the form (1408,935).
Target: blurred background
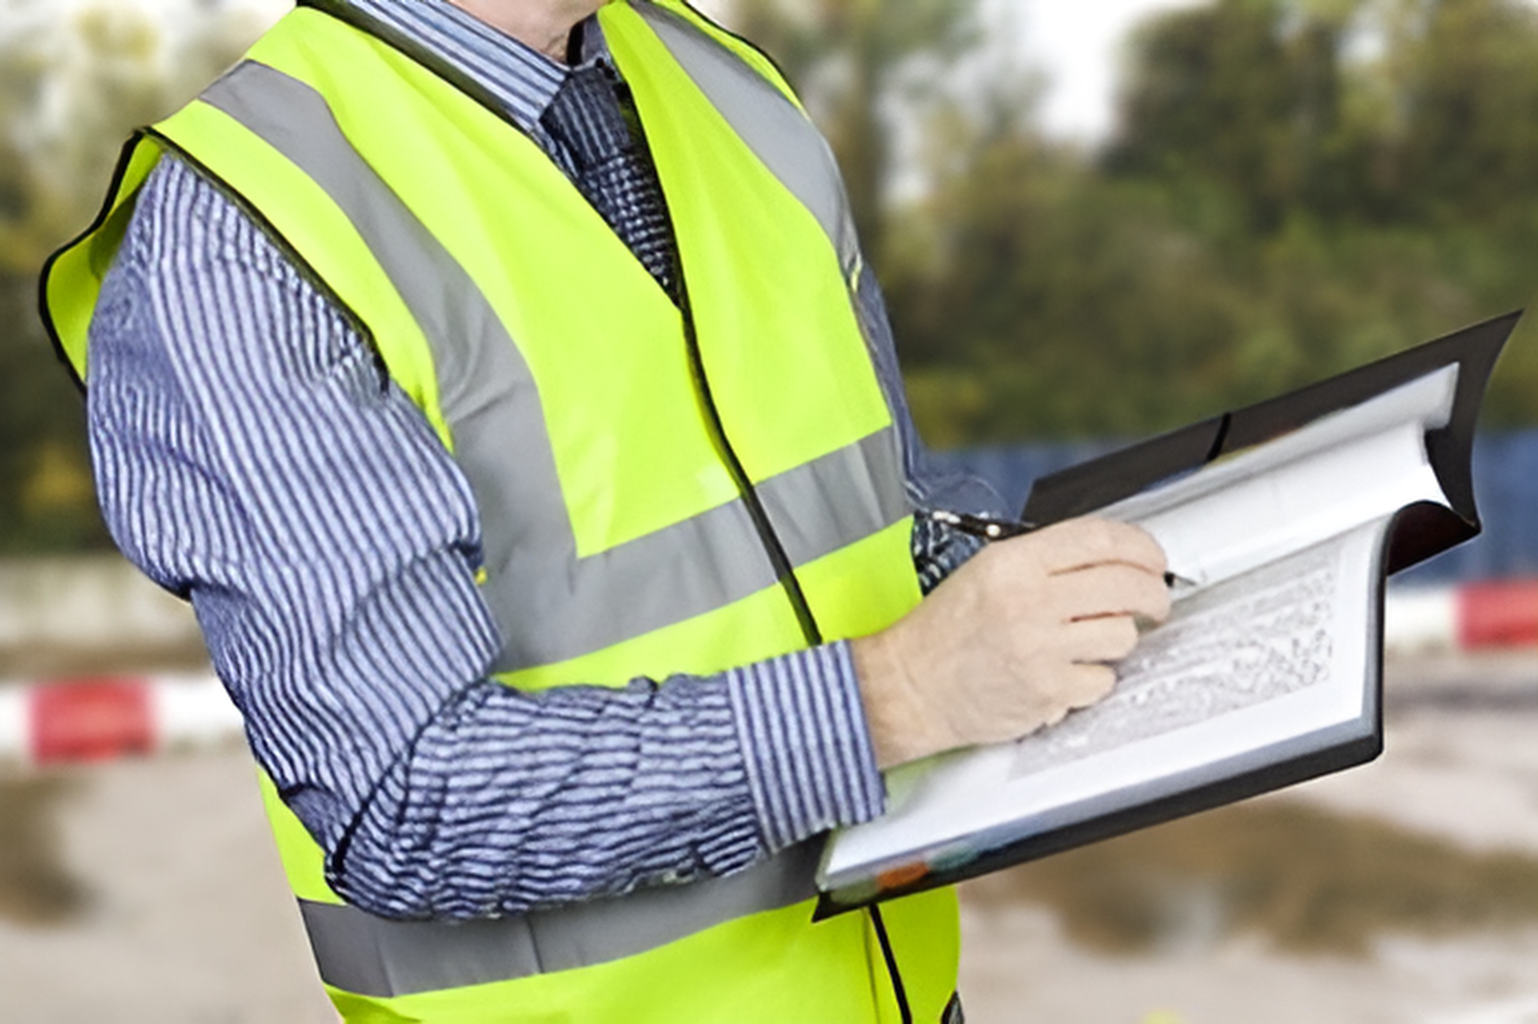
(1094,221)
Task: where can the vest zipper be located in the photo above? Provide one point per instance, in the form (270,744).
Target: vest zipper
(771,542)
(782,567)
(899,991)
(773,546)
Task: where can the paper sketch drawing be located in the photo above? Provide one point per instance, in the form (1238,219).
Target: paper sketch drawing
(1250,639)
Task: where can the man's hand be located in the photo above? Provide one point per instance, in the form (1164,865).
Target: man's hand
(1019,636)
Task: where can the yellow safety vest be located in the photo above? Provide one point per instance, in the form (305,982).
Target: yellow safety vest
(661,490)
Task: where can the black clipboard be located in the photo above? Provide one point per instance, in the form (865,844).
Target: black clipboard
(1418,532)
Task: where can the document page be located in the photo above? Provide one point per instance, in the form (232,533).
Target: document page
(1248,640)
(1264,666)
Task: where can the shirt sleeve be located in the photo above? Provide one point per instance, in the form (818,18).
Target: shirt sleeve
(252,456)
(938,549)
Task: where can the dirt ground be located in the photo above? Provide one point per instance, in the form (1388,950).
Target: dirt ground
(149,892)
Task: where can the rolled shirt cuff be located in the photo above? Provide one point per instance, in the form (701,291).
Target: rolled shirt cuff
(810,763)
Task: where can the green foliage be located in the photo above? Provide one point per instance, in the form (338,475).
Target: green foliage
(45,498)
(1293,187)
(856,58)
(73,82)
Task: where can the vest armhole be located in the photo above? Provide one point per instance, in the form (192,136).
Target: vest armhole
(301,265)
(108,207)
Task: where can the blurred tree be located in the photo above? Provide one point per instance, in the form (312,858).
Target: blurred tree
(1294,186)
(866,67)
(1362,167)
(1243,95)
(74,79)
(1467,83)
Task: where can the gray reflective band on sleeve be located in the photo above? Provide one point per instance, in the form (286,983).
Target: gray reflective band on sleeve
(374,956)
(779,134)
(551,605)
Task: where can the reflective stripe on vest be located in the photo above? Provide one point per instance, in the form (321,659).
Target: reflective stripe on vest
(372,956)
(693,566)
(773,127)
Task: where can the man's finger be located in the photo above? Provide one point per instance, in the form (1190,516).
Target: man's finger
(1079,543)
(1117,589)
(1099,640)
(1089,684)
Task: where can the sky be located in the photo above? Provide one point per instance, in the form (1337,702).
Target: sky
(1077,43)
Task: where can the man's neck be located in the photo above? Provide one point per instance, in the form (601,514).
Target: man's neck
(543,24)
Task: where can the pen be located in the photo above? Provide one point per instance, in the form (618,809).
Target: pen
(992,528)
(986,527)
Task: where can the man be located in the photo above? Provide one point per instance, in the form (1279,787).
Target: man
(501,382)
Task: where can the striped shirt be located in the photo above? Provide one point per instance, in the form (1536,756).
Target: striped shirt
(250,457)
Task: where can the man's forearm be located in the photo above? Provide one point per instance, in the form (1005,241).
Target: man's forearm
(508,801)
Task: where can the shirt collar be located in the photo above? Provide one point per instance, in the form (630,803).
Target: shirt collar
(522,79)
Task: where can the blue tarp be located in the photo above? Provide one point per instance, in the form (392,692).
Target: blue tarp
(1505,478)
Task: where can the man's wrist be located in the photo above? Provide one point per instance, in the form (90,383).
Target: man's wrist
(900,729)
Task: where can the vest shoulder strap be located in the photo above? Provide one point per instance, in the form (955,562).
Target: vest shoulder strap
(750,54)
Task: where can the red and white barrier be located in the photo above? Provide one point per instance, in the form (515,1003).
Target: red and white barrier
(100,718)
(92,719)
(1469,618)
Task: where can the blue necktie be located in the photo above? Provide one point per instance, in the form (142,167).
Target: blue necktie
(592,116)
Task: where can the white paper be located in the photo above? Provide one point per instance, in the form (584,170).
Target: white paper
(1266,657)
(1252,639)
(1171,717)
